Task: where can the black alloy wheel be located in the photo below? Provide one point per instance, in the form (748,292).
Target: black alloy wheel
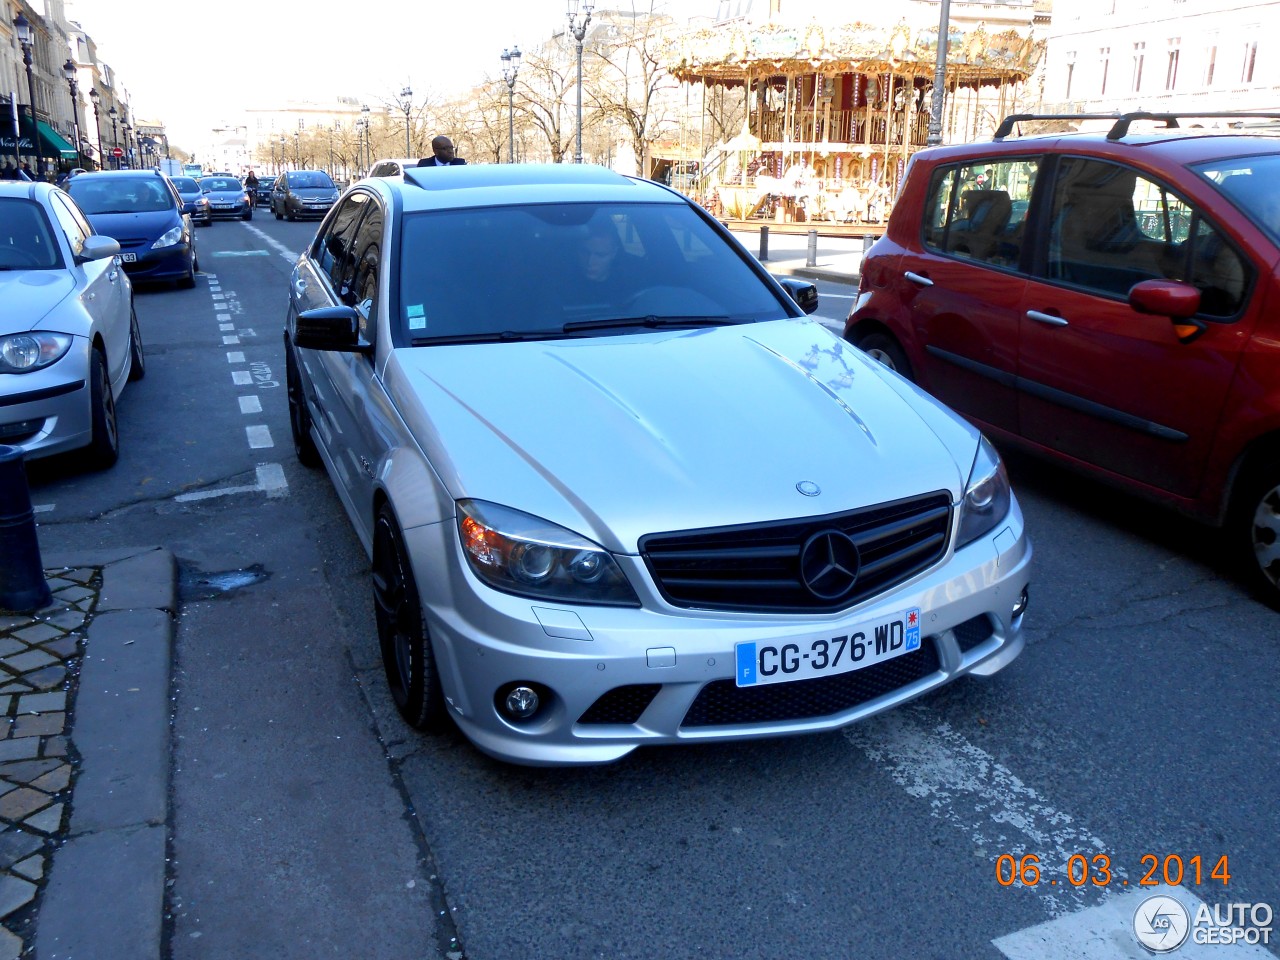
(402,633)
(104,447)
(137,359)
(299,416)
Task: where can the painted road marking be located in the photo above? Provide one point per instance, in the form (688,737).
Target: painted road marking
(43,507)
(259,437)
(250,405)
(222,317)
(235,356)
(270,480)
(241,378)
(226,326)
(271,242)
(219,296)
(241,253)
(228,341)
(1105,932)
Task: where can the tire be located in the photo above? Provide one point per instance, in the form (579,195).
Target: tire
(299,416)
(276,212)
(882,347)
(248,215)
(104,447)
(189,281)
(1254,529)
(287,215)
(137,358)
(407,657)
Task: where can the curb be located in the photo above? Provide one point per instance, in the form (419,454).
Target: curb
(90,873)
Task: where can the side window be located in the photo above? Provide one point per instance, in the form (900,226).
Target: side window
(978,211)
(333,251)
(73,225)
(1111,227)
(368,265)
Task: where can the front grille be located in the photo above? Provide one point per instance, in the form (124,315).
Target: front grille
(621,704)
(756,567)
(973,631)
(723,703)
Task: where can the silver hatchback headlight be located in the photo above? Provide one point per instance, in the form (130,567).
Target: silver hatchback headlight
(25,352)
(986,496)
(518,553)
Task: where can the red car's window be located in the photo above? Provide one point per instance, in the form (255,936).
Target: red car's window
(978,210)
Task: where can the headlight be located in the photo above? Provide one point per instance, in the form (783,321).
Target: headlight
(169,238)
(517,553)
(986,495)
(24,352)
(203,202)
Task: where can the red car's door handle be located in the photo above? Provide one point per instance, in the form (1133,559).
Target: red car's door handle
(918,279)
(1046,318)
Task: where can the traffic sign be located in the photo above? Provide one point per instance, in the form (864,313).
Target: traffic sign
(117,152)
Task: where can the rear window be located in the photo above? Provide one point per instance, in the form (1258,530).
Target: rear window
(26,242)
(978,210)
(567,263)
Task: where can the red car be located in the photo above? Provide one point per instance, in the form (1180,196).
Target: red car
(1110,300)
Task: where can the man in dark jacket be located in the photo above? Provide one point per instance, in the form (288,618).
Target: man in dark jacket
(442,148)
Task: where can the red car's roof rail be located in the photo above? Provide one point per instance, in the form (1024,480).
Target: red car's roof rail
(1122,120)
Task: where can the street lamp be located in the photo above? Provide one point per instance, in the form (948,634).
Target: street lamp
(25,36)
(406,106)
(511,67)
(69,71)
(96,97)
(115,142)
(297,151)
(579,31)
(364,141)
(939,76)
(128,144)
(283,156)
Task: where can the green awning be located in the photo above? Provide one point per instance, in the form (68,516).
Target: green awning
(52,140)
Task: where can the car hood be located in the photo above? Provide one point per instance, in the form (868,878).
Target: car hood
(225,196)
(29,296)
(122,226)
(617,437)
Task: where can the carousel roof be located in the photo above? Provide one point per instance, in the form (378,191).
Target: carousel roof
(738,51)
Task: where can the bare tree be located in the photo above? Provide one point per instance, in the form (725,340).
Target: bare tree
(548,83)
(630,83)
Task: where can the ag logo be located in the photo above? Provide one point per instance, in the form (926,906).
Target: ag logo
(1161,924)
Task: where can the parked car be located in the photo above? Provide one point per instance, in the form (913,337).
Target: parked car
(648,502)
(142,210)
(303,193)
(1106,300)
(69,337)
(194,203)
(228,198)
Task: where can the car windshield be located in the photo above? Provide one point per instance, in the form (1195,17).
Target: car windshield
(571,270)
(111,194)
(26,242)
(1251,184)
(185,184)
(310,178)
(220,183)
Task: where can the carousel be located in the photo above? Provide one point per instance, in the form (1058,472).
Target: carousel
(834,111)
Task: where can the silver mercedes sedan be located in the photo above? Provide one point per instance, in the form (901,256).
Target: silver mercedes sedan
(69,337)
(616,487)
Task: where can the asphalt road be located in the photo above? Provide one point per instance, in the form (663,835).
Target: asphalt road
(308,821)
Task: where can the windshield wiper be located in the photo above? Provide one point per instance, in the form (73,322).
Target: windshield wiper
(497,336)
(649,321)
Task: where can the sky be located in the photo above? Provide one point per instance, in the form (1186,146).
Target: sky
(194,67)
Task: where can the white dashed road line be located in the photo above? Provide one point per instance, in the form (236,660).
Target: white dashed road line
(270,480)
(272,242)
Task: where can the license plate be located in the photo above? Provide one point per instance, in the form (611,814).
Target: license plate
(129,257)
(223,206)
(839,652)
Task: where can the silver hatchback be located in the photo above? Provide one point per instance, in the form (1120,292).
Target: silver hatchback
(616,487)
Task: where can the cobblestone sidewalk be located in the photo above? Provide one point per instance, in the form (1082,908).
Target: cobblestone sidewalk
(39,665)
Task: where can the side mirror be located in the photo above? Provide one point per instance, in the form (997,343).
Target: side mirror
(804,293)
(1173,299)
(98,248)
(336,329)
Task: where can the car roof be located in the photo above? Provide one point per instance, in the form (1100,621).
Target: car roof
(500,184)
(120,175)
(25,189)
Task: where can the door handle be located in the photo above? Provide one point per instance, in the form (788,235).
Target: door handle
(1046,318)
(919,280)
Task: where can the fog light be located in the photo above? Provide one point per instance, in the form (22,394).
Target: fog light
(521,702)
(1020,607)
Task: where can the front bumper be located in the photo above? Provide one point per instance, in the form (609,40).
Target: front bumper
(664,675)
(167,263)
(48,411)
(231,211)
(300,210)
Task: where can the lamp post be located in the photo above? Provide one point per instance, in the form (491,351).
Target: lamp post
(274,167)
(25,36)
(939,77)
(96,97)
(579,31)
(297,151)
(364,142)
(113,113)
(283,156)
(69,71)
(511,67)
(128,144)
(407,106)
